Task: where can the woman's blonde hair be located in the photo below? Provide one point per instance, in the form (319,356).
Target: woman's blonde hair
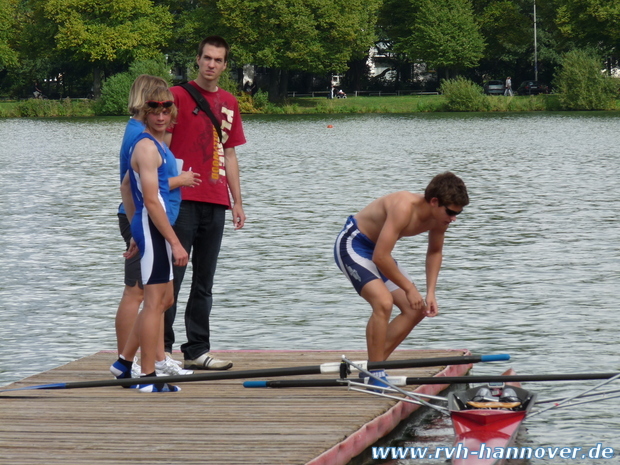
(158,94)
(143,83)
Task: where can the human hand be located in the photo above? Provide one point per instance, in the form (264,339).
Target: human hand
(415,299)
(432,309)
(238,216)
(132,250)
(190,178)
(179,254)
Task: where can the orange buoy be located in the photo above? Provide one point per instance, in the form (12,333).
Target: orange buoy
(330,126)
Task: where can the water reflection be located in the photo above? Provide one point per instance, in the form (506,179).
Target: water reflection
(530,268)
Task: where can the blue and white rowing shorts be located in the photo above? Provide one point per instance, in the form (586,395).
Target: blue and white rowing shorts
(353,254)
(155,252)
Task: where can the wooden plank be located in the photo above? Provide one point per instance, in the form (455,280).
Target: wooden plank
(208,422)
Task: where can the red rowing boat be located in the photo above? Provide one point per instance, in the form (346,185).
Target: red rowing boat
(486,420)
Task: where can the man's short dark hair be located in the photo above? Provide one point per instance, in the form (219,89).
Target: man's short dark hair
(216,41)
(449,189)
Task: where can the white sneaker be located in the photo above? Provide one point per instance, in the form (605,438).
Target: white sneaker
(170,367)
(206,362)
(136,369)
(169,355)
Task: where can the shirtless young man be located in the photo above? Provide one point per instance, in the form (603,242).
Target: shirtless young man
(363,251)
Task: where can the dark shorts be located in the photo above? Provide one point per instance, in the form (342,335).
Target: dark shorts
(155,252)
(353,254)
(133,275)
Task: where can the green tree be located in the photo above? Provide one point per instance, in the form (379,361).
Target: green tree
(115,90)
(445,35)
(193,20)
(582,85)
(393,23)
(30,39)
(101,32)
(594,23)
(8,24)
(507,31)
(318,36)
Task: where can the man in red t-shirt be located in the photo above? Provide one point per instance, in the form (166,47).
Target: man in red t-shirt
(200,225)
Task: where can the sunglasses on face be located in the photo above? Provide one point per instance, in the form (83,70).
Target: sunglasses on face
(156,104)
(452,212)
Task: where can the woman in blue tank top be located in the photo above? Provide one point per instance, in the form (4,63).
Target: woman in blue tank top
(152,213)
(133,292)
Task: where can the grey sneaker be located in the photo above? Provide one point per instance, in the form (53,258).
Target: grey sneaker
(170,367)
(206,362)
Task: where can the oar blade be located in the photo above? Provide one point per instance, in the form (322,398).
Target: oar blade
(256,384)
(494,358)
(40,386)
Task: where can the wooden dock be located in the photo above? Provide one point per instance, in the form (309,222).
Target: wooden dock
(208,422)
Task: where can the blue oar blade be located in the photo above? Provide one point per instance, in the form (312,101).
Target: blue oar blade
(40,386)
(255,384)
(494,357)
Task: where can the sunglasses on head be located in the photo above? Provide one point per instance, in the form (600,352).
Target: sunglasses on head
(452,212)
(156,104)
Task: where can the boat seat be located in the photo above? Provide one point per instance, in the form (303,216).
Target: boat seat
(504,405)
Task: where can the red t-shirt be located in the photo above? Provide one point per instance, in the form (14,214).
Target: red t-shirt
(195,141)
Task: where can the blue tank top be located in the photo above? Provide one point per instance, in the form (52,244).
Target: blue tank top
(133,129)
(171,200)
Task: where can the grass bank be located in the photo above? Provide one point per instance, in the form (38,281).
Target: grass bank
(303,105)
(46,108)
(395,104)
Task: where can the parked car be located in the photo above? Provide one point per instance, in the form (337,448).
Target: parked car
(494,87)
(532,88)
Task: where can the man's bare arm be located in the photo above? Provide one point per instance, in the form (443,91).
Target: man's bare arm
(184,179)
(130,210)
(127,199)
(434,257)
(234,184)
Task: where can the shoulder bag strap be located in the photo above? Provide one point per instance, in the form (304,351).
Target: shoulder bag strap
(204,106)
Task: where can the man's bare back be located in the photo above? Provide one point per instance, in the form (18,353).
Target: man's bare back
(409,211)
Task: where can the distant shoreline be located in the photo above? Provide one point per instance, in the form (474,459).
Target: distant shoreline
(303,105)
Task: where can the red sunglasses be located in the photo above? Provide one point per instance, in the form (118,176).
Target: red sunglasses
(156,104)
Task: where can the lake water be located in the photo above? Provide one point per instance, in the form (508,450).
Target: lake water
(531,268)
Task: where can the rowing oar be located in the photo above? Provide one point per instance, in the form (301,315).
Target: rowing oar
(568,399)
(403,381)
(387,384)
(332,367)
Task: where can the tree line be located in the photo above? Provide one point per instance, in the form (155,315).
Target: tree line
(70,47)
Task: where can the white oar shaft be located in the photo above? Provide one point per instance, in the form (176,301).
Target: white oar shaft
(396,388)
(353,387)
(568,399)
(594,394)
(396,381)
(588,401)
(334,367)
